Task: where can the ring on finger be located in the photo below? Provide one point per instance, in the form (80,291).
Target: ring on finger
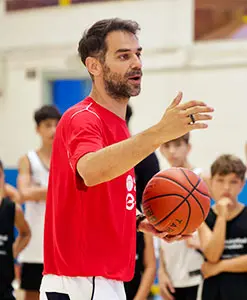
(192,118)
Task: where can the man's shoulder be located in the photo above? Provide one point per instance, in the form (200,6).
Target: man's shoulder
(85,108)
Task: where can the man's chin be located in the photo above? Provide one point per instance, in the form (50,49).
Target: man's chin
(135,93)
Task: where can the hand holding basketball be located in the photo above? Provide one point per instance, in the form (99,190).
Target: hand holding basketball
(146,227)
(176,201)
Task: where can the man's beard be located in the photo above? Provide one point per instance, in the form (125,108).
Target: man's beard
(117,86)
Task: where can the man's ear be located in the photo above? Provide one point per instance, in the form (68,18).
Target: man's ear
(93,66)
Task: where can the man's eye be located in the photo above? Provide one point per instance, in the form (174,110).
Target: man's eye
(124,56)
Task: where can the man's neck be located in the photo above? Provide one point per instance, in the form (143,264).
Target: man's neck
(117,106)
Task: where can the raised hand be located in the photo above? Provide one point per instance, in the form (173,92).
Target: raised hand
(182,118)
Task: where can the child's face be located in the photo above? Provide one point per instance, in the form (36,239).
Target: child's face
(175,152)
(226,186)
(46,129)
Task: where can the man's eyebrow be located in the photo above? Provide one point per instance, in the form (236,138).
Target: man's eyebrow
(122,50)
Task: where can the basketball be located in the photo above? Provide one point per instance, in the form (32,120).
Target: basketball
(176,200)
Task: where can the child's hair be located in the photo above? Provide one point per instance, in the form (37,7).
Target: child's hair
(1,165)
(46,112)
(227,164)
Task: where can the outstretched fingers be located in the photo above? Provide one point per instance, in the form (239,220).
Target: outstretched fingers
(197,110)
(190,104)
(177,100)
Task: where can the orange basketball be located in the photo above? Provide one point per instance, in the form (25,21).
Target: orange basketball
(176,201)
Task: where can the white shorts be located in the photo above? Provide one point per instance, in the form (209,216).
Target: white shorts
(80,288)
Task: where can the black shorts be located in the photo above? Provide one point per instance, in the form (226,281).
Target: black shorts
(31,276)
(225,286)
(187,293)
(6,293)
(132,287)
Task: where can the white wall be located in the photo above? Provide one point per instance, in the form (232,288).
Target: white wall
(212,72)
(223,89)
(215,73)
(219,82)
(22,96)
(46,40)
(64,25)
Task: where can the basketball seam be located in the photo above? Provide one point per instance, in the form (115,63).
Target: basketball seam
(185,199)
(203,213)
(179,184)
(192,183)
(159,196)
(170,213)
(194,189)
(187,222)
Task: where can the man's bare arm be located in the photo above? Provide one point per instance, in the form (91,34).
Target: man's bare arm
(113,161)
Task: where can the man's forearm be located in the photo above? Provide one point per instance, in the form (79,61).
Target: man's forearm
(113,161)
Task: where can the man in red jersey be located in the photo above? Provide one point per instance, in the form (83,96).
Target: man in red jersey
(91,217)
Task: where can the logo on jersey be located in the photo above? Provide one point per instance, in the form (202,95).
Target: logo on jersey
(130,198)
